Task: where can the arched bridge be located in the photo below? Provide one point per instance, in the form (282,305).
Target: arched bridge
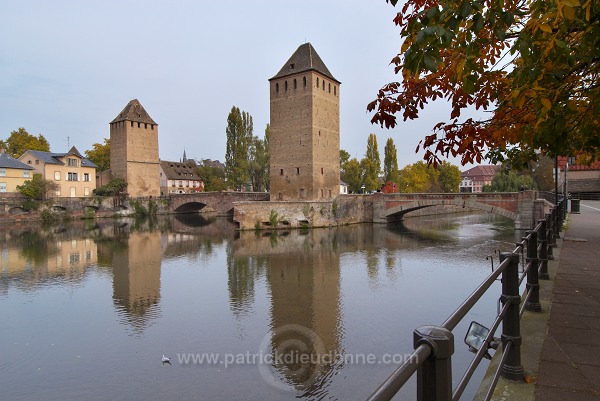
(221,202)
(522,207)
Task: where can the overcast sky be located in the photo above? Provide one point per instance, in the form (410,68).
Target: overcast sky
(67,68)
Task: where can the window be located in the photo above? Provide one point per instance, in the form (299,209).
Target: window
(2,187)
(145,126)
(297,170)
(57,176)
(321,193)
(317,82)
(25,174)
(304,81)
(57,193)
(277,88)
(295,84)
(280,171)
(139,124)
(321,170)
(73,192)
(37,161)
(71,176)
(301,194)
(330,88)
(323,84)
(132,123)
(330,193)
(86,177)
(334,90)
(2,172)
(286,86)
(72,162)
(86,191)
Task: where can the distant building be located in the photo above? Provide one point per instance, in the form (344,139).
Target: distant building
(179,177)
(305,129)
(582,179)
(12,173)
(213,164)
(134,150)
(473,179)
(74,174)
(343,188)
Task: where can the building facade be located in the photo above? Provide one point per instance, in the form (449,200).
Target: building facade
(134,150)
(12,173)
(74,174)
(305,129)
(473,179)
(179,178)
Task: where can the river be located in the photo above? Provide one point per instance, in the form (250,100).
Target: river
(89,308)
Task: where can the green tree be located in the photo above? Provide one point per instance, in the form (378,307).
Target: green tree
(449,178)
(114,187)
(371,164)
(37,188)
(344,157)
(213,178)
(543,173)
(353,175)
(511,181)
(20,141)
(259,160)
(239,138)
(390,162)
(418,177)
(533,65)
(100,155)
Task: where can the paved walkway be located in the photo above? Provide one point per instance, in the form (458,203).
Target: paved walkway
(570,361)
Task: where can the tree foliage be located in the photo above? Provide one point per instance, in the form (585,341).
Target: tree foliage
(100,155)
(371,164)
(533,65)
(390,162)
(114,187)
(20,141)
(213,178)
(344,156)
(449,178)
(239,137)
(353,175)
(37,188)
(418,177)
(259,160)
(509,181)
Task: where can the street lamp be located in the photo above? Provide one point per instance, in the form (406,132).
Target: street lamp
(362,188)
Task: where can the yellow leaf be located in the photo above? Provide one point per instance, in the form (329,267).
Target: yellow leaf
(546,28)
(569,13)
(546,103)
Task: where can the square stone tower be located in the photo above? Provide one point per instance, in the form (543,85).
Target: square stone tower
(305,129)
(134,150)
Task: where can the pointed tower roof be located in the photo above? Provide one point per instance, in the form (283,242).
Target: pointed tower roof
(305,58)
(134,111)
(75,152)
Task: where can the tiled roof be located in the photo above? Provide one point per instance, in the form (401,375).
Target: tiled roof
(305,58)
(54,158)
(477,171)
(134,111)
(7,161)
(180,171)
(562,161)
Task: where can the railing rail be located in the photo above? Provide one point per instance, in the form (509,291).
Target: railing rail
(434,345)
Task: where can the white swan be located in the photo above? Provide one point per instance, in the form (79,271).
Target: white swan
(166,360)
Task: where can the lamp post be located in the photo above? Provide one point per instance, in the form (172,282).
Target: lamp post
(362,189)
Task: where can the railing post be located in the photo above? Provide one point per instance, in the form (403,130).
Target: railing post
(434,377)
(556,223)
(533,284)
(511,325)
(550,236)
(543,257)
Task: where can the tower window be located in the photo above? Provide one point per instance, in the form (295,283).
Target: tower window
(152,126)
(286,86)
(330,88)
(323,84)
(321,170)
(317,82)
(281,171)
(295,84)
(145,126)
(277,88)
(304,81)
(139,124)
(132,123)
(297,170)
(292,66)
(334,90)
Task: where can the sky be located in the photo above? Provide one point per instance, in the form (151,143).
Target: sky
(67,68)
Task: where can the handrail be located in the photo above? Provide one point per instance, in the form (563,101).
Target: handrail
(434,345)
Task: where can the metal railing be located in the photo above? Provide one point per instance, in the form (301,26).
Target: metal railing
(434,345)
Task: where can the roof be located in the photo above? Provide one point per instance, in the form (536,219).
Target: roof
(7,161)
(483,170)
(180,171)
(213,163)
(305,58)
(562,161)
(54,158)
(134,111)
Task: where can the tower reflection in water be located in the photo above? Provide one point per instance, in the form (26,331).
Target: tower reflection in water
(303,276)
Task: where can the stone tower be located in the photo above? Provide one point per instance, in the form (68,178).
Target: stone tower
(305,129)
(134,150)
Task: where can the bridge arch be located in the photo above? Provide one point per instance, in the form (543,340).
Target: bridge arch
(396,213)
(190,207)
